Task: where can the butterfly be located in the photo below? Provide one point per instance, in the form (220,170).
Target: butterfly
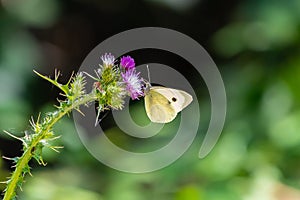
(162,104)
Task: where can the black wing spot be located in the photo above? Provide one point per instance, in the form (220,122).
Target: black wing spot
(174,99)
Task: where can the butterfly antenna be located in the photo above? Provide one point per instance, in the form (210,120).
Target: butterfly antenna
(148,71)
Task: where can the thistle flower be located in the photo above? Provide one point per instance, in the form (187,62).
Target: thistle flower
(127,63)
(110,77)
(133,83)
(108,60)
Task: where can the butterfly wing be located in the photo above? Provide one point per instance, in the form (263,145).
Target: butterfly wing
(187,98)
(158,107)
(178,99)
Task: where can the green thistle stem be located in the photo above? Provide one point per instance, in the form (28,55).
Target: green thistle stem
(23,161)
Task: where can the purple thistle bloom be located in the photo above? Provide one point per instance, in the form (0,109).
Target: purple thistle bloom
(133,83)
(108,59)
(127,62)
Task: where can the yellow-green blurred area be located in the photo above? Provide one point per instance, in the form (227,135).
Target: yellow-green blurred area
(256,46)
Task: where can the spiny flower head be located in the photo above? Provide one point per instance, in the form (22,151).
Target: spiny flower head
(77,86)
(133,83)
(127,62)
(118,94)
(108,60)
(115,81)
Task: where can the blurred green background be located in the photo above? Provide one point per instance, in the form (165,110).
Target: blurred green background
(255,44)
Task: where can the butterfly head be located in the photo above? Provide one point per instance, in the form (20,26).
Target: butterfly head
(147,86)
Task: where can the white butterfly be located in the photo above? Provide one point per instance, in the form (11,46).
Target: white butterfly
(162,104)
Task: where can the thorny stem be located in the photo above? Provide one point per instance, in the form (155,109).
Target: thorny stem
(27,155)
